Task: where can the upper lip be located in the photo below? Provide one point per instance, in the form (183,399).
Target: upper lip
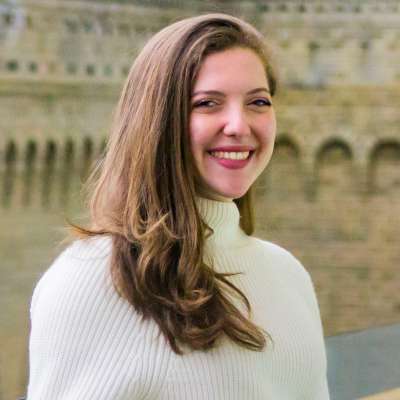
(232,148)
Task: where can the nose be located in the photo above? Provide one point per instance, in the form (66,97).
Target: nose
(236,122)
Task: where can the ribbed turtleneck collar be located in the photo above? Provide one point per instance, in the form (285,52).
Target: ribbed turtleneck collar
(224,218)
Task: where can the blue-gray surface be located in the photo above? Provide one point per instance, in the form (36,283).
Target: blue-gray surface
(364,362)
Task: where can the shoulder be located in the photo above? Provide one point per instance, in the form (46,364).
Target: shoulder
(281,256)
(91,248)
(83,331)
(294,275)
(286,265)
(91,252)
(77,293)
(271,247)
(76,271)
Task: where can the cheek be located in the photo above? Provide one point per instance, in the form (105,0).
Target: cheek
(195,142)
(271,123)
(199,137)
(271,131)
(267,131)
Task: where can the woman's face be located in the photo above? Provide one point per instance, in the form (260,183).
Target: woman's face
(231,110)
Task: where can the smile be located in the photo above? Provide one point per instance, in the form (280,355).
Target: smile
(235,155)
(232,160)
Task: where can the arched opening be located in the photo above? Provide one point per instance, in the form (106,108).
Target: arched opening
(9,174)
(279,190)
(67,171)
(29,172)
(103,146)
(284,175)
(87,157)
(334,170)
(384,169)
(337,215)
(48,173)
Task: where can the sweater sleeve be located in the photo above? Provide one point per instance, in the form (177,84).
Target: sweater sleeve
(298,278)
(306,287)
(86,342)
(307,290)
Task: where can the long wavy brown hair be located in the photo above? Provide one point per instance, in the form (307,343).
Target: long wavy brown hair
(142,192)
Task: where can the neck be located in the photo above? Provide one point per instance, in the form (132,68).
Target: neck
(223,217)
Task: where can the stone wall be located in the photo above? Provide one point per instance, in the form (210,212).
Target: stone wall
(330,194)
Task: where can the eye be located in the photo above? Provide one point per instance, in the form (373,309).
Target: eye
(205,104)
(262,102)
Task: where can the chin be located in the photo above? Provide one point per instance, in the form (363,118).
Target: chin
(230,194)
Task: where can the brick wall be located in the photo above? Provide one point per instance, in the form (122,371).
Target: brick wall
(330,194)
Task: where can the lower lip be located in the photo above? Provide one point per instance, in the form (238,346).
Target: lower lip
(232,164)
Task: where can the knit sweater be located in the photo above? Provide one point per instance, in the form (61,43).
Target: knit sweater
(87,342)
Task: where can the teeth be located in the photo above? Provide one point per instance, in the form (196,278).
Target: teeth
(231,155)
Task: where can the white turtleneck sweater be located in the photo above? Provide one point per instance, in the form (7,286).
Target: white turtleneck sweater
(86,342)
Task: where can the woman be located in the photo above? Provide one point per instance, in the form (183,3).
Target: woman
(167,295)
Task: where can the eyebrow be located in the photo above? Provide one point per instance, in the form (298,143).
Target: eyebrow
(218,93)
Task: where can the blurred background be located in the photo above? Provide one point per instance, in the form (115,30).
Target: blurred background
(330,194)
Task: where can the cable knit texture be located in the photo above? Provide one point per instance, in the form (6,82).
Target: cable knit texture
(86,342)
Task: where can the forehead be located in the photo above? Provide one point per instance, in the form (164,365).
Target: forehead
(232,67)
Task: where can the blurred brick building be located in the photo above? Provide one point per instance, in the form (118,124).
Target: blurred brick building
(331,194)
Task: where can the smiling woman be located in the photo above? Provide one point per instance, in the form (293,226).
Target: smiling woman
(232,123)
(166,294)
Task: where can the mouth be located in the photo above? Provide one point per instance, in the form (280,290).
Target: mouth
(231,155)
(229,161)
